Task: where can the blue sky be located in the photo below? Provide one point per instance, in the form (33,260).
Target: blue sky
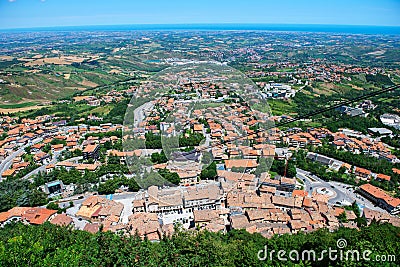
(50,13)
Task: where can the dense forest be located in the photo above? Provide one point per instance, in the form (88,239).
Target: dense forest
(18,192)
(49,245)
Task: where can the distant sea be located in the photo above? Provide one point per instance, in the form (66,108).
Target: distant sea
(348,29)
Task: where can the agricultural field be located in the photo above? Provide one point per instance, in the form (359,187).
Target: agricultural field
(49,83)
(45,76)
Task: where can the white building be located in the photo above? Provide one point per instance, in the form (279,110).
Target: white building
(176,205)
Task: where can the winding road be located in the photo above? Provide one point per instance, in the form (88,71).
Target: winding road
(6,163)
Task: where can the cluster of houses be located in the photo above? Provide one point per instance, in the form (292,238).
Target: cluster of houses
(360,173)
(41,140)
(226,204)
(373,193)
(213,206)
(314,70)
(34,216)
(220,128)
(297,138)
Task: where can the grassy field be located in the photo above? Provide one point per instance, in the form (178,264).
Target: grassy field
(286,70)
(101,110)
(18,105)
(279,107)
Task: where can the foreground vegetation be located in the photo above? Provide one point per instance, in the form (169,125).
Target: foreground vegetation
(49,245)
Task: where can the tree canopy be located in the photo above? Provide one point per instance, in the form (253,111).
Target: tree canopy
(50,245)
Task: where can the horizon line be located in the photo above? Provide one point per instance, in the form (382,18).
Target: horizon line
(197,24)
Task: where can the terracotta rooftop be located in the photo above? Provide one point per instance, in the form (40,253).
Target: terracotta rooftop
(383,177)
(37,215)
(9,172)
(90,148)
(205,215)
(89,167)
(145,224)
(50,166)
(99,206)
(350,215)
(235,176)
(117,153)
(257,214)
(363,171)
(239,222)
(216,226)
(283,201)
(299,193)
(373,214)
(244,163)
(380,194)
(210,191)
(198,127)
(92,227)
(14,212)
(61,220)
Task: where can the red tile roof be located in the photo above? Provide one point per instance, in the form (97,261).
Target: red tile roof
(37,215)
(380,194)
(383,177)
(363,171)
(61,220)
(299,193)
(90,148)
(246,163)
